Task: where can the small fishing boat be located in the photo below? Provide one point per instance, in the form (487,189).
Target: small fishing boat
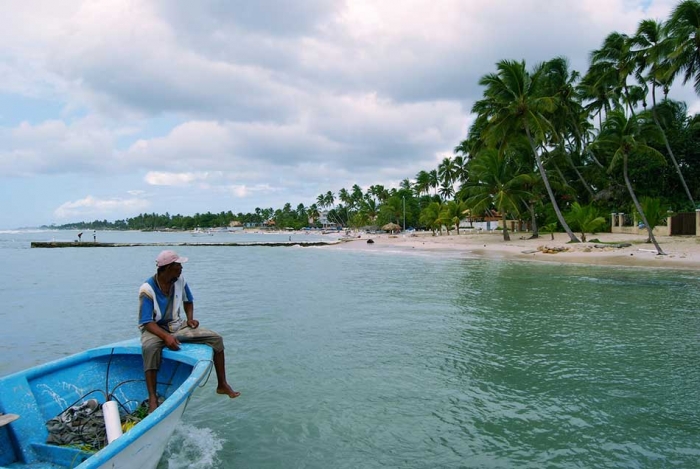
(71,392)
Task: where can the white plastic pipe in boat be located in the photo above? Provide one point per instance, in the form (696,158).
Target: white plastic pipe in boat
(113,423)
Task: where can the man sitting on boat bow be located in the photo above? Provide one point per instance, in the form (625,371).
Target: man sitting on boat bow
(166,318)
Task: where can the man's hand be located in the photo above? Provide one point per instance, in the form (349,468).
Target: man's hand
(171,342)
(193,323)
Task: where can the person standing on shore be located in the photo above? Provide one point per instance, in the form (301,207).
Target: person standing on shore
(166,319)
(94,236)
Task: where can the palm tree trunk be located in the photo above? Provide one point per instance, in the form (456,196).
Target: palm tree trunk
(659,251)
(585,145)
(578,173)
(506,235)
(668,147)
(560,217)
(561,175)
(629,103)
(535,230)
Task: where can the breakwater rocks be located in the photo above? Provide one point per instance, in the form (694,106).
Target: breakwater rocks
(68,244)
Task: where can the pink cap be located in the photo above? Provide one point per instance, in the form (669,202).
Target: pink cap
(168,257)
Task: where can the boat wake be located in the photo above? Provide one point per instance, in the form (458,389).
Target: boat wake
(193,448)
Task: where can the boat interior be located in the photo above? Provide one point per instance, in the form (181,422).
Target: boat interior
(34,397)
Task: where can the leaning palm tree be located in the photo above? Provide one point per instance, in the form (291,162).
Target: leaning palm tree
(497,181)
(614,63)
(514,104)
(625,138)
(653,50)
(654,211)
(683,27)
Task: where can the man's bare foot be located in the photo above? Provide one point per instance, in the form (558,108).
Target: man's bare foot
(152,404)
(228,391)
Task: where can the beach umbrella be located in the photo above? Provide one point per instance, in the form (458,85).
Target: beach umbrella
(391,227)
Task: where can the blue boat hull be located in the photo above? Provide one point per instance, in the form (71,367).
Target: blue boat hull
(43,392)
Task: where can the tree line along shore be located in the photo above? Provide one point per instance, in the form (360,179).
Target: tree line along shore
(551,147)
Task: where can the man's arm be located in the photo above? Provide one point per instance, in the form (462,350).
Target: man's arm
(189,311)
(170,340)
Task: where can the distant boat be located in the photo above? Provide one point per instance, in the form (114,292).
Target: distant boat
(201,232)
(51,392)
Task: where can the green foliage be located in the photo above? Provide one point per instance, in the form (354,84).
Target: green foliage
(655,213)
(550,228)
(430,216)
(585,219)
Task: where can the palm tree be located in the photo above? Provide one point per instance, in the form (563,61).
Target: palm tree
(446,172)
(460,163)
(446,190)
(431,216)
(683,27)
(369,208)
(497,181)
(453,212)
(434,180)
(652,54)
(654,211)
(422,185)
(356,195)
(313,212)
(328,199)
(614,62)
(585,218)
(595,89)
(379,192)
(560,83)
(513,104)
(626,138)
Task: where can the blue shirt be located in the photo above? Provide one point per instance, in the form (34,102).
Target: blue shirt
(165,303)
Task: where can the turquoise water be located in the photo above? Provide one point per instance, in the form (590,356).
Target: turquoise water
(379,359)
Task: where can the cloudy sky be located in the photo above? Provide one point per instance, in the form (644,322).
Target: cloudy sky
(112,108)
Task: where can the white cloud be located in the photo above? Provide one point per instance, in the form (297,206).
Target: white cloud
(55,146)
(234,100)
(90,206)
(156,178)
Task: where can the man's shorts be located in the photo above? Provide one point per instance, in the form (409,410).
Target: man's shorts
(152,345)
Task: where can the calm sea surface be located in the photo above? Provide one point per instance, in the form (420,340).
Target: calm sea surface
(363,359)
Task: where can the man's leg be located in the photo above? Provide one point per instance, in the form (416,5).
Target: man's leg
(220,367)
(151,380)
(151,348)
(202,335)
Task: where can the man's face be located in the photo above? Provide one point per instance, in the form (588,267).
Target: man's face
(175,269)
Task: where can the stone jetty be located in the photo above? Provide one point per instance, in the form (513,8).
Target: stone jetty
(75,244)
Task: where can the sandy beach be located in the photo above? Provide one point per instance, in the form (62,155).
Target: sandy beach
(682,252)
